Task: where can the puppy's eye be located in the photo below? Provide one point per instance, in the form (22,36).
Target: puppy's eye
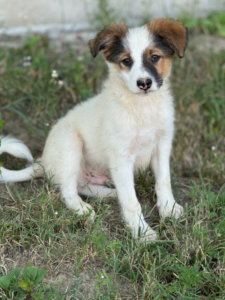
(126,62)
(155,58)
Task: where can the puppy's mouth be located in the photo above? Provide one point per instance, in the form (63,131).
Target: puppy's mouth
(146,91)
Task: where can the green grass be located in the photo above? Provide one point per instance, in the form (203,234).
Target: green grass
(214,23)
(102,261)
(187,261)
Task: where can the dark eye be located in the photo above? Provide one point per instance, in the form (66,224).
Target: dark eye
(126,62)
(155,58)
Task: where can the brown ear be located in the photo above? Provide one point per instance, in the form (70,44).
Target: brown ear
(107,38)
(172,32)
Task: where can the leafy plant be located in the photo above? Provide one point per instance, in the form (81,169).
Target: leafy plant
(104,281)
(99,241)
(24,288)
(189,276)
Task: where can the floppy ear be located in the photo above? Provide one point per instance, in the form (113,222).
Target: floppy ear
(107,38)
(171,32)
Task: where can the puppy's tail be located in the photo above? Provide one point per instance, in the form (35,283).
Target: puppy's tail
(18,149)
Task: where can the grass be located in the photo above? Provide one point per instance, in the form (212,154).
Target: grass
(213,24)
(102,261)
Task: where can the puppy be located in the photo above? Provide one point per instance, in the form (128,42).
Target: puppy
(128,126)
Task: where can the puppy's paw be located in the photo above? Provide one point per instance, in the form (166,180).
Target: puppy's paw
(167,210)
(140,229)
(147,236)
(88,209)
(85,209)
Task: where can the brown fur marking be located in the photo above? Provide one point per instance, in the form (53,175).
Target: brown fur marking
(173,33)
(164,64)
(106,40)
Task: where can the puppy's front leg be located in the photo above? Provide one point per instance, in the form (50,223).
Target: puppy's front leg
(160,164)
(122,175)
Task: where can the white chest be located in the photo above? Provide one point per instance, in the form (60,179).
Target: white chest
(143,142)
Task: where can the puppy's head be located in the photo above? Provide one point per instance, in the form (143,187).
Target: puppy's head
(142,56)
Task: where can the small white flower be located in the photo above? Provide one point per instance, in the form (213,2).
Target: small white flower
(60,82)
(27,61)
(55,74)
(47,124)
(56,213)
(213,148)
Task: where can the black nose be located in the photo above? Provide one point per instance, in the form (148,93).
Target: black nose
(148,82)
(144,84)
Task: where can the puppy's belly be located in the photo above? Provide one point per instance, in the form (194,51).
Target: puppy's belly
(94,176)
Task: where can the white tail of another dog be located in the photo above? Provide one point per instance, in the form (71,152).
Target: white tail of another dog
(18,149)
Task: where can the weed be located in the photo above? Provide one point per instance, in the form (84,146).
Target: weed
(25,288)
(104,280)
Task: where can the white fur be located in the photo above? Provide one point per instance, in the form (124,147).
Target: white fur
(112,135)
(137,40)
(16,148)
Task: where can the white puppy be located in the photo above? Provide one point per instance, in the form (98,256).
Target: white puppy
(127,127)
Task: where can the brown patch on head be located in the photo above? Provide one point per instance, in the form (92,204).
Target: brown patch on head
(109,42)
(167,66)
(163,66)
(121,61)
(170,34)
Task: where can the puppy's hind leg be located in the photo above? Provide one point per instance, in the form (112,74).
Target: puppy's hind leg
(66,168)
(74,201)
(93,190)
